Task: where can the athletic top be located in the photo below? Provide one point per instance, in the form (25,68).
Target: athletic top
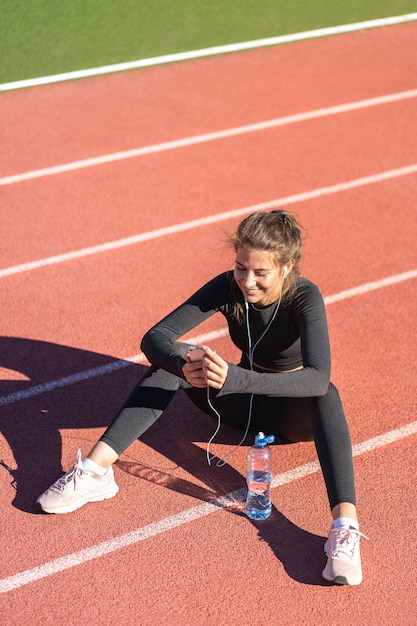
(298,336)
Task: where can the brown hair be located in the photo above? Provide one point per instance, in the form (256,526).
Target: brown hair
(278,233)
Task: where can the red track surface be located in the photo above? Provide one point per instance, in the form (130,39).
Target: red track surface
(218,569)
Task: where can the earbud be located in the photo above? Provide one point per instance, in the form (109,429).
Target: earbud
(286,270)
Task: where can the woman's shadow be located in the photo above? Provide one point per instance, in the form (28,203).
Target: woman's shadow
(47,388)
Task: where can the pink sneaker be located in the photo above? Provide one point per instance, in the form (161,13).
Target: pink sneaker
(76,488)
(343,556)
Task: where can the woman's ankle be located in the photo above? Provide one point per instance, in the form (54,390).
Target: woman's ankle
(103,455)
(345,509)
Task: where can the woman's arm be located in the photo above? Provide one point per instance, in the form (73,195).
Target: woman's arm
(158,343)
(313,379)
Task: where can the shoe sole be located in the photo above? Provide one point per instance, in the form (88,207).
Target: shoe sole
(82,501)
(342,580)
(339,580)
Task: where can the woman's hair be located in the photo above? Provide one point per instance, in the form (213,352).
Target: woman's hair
(277,233)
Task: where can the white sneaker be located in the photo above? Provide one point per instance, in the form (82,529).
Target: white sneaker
(76,488)
(344,560)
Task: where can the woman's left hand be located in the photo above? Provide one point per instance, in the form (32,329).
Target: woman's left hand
(215,368)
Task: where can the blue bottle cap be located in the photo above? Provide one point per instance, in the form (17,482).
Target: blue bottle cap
(262,440)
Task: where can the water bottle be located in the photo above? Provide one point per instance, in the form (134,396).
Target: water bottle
(258,478)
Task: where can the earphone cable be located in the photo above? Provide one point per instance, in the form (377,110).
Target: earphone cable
(222,460)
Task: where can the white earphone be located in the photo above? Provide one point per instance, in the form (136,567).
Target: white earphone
(286,270)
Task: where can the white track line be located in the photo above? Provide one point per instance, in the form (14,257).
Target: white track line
(73,379)
(184,517)
(207,52)
(206,137)
(211,219)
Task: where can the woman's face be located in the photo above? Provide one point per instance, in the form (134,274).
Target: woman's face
(258,276)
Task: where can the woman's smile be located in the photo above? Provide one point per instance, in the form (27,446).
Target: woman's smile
(258,276)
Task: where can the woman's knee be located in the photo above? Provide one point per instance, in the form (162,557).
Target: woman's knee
(298,429)
(295,420)
(302,415)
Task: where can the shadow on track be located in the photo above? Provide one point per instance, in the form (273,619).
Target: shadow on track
(33,414)
(32,425)
(300,552)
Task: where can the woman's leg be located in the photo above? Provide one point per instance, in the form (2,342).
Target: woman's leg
(92,479)
(334,449)
(142,408)
(323,420)
(332,440)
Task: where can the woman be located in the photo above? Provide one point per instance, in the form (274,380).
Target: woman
(281,385)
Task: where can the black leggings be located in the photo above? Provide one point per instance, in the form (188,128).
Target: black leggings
(290,419)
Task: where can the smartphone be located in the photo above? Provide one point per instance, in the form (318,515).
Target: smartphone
(195,353)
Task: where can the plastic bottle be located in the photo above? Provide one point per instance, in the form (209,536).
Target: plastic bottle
(258,478)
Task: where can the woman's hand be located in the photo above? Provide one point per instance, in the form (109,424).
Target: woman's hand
(210,372)
(215,368)
(193,373)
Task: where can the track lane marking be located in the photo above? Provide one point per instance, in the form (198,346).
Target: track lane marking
(188,515)
(207,52)
(109,368)
(207,137)
(210,219)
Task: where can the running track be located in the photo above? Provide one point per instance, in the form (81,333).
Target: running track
(93,255)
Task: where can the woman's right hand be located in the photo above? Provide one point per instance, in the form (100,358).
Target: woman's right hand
(194,375)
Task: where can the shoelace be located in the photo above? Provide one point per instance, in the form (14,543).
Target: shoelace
(346,541)
(72,475)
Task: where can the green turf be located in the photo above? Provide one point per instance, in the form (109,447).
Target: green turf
(41,37)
